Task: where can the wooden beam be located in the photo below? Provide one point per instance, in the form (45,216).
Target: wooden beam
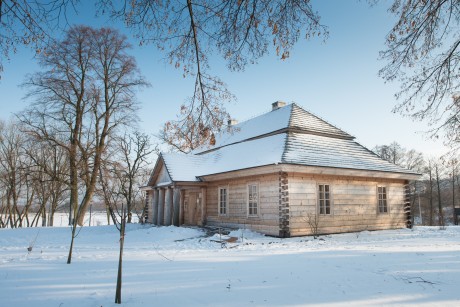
(313,170)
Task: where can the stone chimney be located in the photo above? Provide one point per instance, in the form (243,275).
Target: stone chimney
(232,122)
(278,104)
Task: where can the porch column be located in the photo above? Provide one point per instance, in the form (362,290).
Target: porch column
(168,206)
(147,217)
(161,206)
(155,206)
(182,209)
(203,206)
(176,206)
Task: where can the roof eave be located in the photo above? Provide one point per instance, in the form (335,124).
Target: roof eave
(305,169)
(245,172)
(349,172)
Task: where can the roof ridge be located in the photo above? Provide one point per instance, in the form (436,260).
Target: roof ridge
(263,113)
(340,131)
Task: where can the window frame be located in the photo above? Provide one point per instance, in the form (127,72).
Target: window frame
(384,199)
(319,199)
(257,201)
(219,200)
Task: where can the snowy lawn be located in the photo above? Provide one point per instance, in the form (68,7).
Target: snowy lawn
(169,266)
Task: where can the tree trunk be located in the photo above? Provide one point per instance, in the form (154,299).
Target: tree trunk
(120,259)
(74,228)
(440,213)
(35,219)
(51,219)
(431,199)
(454,220)
(43,216)
(107,211)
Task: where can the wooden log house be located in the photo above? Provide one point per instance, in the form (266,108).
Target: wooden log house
(284,173)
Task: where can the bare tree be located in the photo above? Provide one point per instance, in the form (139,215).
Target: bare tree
(186,133)
(414,160)
(110,192)
(14,167)
(313,222)
(393,153)
(190,31)
(29,23)
(423,54)
(49,173)
(85,92)
(129,172)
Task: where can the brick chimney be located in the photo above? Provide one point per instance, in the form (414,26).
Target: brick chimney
(278,104)
(232,122)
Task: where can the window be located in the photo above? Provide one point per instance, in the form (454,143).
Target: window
(382,196)
(223,201)
(253,199)
(324,199)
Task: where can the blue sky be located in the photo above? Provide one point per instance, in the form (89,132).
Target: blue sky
(336,80)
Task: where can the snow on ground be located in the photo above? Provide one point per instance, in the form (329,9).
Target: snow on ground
(94,218)
(170,266)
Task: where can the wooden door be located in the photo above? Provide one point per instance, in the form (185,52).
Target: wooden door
(192,209)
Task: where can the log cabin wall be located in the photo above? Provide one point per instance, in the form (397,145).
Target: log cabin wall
(354,204)
(284,210)
(267,219)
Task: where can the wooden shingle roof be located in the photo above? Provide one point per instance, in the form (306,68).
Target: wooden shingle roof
(288,118)
(317,150)
(306,122)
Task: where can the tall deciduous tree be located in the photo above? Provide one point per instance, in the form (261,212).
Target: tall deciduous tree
(84,93)
(393,153)
(240,31)
(13,170)
(423,54)
(49,176)
(188,32)
(186,133)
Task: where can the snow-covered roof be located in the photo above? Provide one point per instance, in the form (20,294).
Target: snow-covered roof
(288,135)
(259,152)
(316,150)
(289,117)
(307,122)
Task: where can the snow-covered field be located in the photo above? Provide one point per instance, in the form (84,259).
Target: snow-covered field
(169,266)
(95,218)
